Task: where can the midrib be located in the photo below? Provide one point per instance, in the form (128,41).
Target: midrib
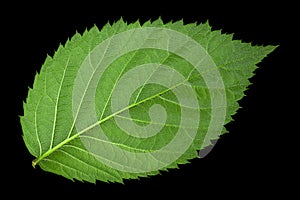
(50,151)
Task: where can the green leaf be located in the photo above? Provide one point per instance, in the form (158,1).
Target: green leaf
(131,100)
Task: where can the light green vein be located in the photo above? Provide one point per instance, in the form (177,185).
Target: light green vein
(36,127)
(56,103)
(85,163)
(85,90)
(155,123)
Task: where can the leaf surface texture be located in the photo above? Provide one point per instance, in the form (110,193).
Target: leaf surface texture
(131,100)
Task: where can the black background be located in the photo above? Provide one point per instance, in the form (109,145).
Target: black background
(253,159)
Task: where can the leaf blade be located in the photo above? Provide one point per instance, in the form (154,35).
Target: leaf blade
(234,60)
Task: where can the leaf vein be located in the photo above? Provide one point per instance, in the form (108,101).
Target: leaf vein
(85,163)
(56,102)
